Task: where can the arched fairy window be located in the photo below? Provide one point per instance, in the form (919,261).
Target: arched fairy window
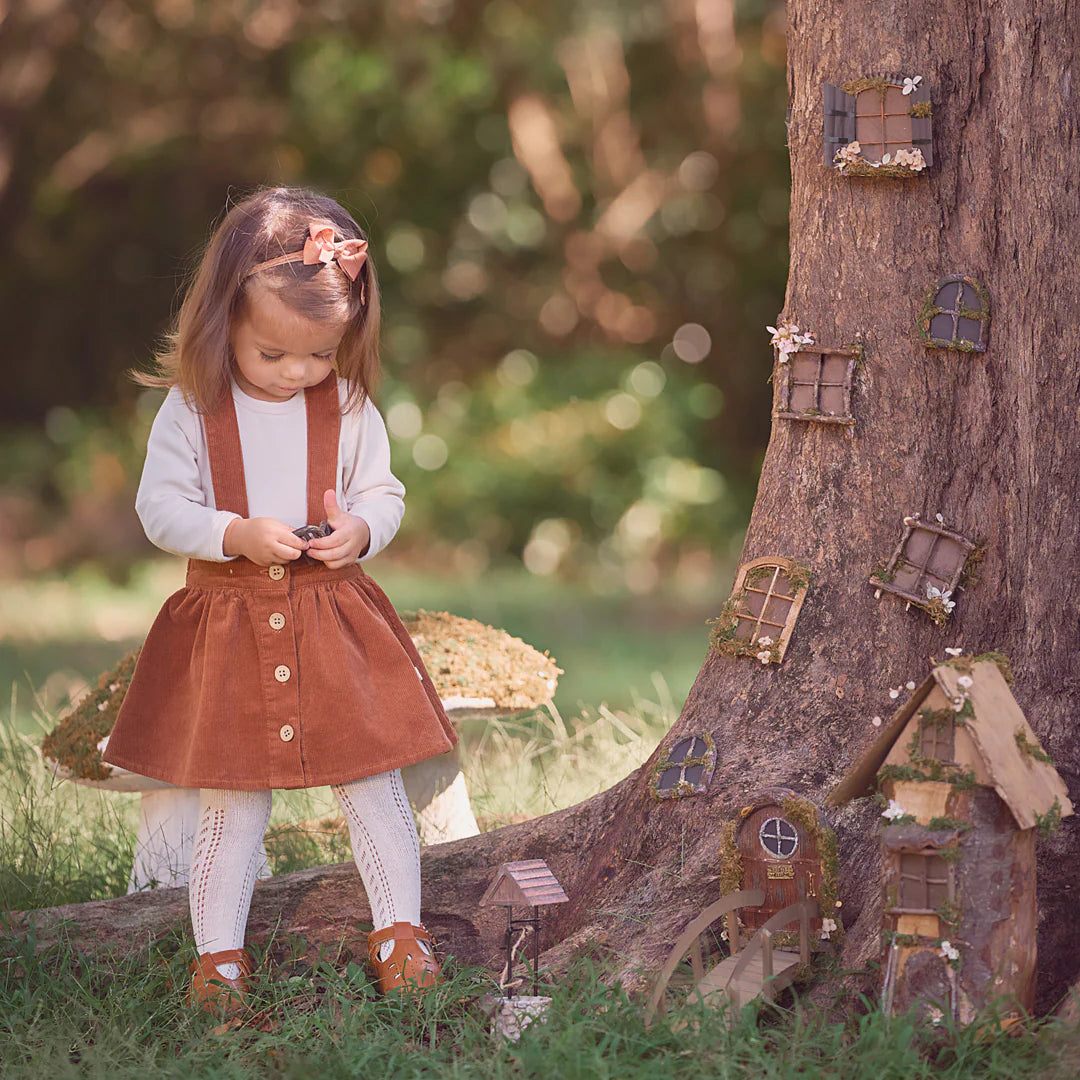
(758,618)
(778,837)
(870,121)
(686,769)
(956,314)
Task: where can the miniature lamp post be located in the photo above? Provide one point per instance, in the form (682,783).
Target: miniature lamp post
(528,883)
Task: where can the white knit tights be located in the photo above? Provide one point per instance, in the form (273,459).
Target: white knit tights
(227,858)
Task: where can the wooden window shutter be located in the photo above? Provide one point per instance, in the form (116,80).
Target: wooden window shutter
(921,133)
(839,120)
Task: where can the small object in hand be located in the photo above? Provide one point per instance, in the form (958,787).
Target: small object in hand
(312,532)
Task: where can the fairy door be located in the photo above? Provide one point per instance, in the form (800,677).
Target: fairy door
(779,857)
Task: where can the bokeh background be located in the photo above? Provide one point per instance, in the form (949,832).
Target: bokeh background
(579,216)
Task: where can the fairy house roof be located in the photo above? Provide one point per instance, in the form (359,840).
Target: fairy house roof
(1009,749)
(528,883)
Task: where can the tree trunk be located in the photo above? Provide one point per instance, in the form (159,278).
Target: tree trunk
(987,440)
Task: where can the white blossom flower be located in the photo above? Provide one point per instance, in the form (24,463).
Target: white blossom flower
(949,951)
(893,811)
(113,687)
(934,593)
(910,684)
(828,925)
(940,520)
(910,84)
(912,519)
(876,721)
(911,158)
(848,155)
(101,707)
(965,681)
(765,641)
(787,338)
(954,652)
(886,158)
(894,693)
(764,656)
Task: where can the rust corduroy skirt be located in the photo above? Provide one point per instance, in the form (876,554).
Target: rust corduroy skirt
(282,677)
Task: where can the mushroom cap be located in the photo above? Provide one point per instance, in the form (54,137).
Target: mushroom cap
(474,665)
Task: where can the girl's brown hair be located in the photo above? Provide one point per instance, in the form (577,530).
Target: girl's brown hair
(272,222)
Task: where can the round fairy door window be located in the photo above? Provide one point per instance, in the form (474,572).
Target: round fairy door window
(778,837)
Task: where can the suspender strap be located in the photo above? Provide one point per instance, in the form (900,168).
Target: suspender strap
(323,431)
(227,457)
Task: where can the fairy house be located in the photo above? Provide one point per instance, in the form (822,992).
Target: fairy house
(780,846)
(964,784)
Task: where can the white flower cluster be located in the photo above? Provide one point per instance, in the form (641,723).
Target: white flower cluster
(765,655)
(910,84)
(964,682)
(910,157)
(893,811)
(787,338)
(828,926)
(947,603)
(949,951)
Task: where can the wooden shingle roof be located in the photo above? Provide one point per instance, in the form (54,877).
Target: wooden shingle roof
(528,883)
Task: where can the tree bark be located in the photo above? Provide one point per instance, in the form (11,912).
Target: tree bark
(987,440)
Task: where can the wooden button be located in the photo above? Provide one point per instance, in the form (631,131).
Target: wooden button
(282,673)
(276,571)
(277,620)
(286,733)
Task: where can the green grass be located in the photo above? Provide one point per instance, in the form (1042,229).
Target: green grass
(62,1016)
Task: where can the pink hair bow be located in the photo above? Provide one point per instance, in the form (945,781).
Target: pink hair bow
(320,247)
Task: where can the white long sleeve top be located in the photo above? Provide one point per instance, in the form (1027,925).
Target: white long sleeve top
(175,502)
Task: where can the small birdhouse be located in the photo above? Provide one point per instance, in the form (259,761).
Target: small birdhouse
(528,883)
(965,784)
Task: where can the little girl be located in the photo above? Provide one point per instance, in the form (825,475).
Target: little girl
(281,664)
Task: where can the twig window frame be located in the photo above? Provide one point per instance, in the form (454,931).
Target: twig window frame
(933,307)
(937,739)
(886,583)
(907,900)
(788,383)
(779,564)
(685,755)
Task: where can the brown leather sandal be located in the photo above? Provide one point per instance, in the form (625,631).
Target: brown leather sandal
(408,967)
(211,991)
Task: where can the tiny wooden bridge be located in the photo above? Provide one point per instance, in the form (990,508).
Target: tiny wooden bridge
(752,970)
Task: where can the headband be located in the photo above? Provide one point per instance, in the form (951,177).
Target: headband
(320,247)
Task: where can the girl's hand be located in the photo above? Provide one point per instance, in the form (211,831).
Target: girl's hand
(262,540)
(349,540)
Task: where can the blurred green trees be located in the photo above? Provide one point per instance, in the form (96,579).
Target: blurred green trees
(578,213)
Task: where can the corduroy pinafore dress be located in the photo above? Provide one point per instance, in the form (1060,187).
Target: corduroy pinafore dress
(287,676)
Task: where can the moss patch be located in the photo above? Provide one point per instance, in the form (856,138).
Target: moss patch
(731,869)
(922,109)
(803,814)
(73,743)
(1030,749)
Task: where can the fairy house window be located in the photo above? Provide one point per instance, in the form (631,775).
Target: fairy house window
(760,615)
(925,568)
(686,769)
(815,384)
(937,738)
(956,314)
(953,832)
(878,126)
(923,882)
